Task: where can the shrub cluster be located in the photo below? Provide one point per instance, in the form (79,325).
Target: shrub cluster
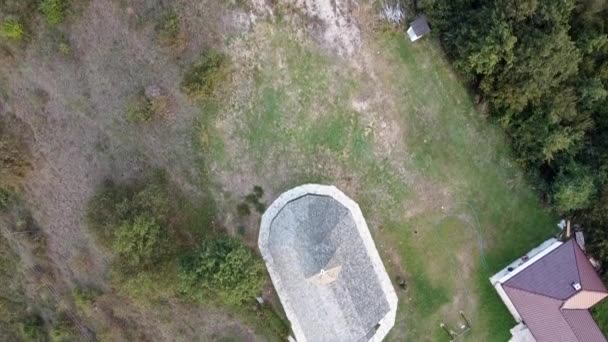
(54,10)
(206,75)
(14,159)
(11,29)
(168,28)
(137,223)
(222,267)
(139,110)
(133,221)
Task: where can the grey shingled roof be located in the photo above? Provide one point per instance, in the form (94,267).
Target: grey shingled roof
(420,26)
(308,230)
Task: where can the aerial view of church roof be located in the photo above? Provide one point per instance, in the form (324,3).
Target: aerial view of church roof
(325,267)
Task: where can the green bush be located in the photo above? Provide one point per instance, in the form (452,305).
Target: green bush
(168,29)
(84,297)
(225,268)
(54,10)
(573,191)
(106,210)
(64,331)
(32,328)
(139,243)
(133,220)
(11,29)
(140,110)
(64,48)
(243,210)
(14,159)
(5,198)
(205,76)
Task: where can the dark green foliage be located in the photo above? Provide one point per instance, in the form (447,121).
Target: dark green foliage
(243,209)
(140,242)
(225,268)
(168,28)
(573,189)
(65,331)
(253,199)
(84,297)
(14,158)
(32,328)
(133,221)
(260,207)
(542,66)
(206,75)
(5,197)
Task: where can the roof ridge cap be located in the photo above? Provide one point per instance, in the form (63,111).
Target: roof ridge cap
(536,293)
(578,269)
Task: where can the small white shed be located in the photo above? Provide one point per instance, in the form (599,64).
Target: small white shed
(418,28)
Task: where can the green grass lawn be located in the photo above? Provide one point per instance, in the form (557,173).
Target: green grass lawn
(445,202)
(600,314)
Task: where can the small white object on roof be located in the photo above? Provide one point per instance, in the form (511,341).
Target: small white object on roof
(326,276)
(418,28)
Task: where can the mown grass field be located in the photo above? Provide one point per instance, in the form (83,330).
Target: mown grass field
(435,179)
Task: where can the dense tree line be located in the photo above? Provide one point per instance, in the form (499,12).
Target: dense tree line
(542,68)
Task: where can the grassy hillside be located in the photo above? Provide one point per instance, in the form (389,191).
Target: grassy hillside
(237,110)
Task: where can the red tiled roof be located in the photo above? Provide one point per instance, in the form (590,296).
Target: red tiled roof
(542,316)
(589,279)
(583,325)
(540,290)
(552,275)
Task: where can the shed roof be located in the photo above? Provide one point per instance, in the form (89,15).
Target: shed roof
(420,26)
(325,267)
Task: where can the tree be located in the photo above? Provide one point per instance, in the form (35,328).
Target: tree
(481,47)
(592,93)
(541,64)
(206,75)
(222,267)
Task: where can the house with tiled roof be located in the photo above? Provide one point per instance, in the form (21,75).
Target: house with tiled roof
(549,292)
